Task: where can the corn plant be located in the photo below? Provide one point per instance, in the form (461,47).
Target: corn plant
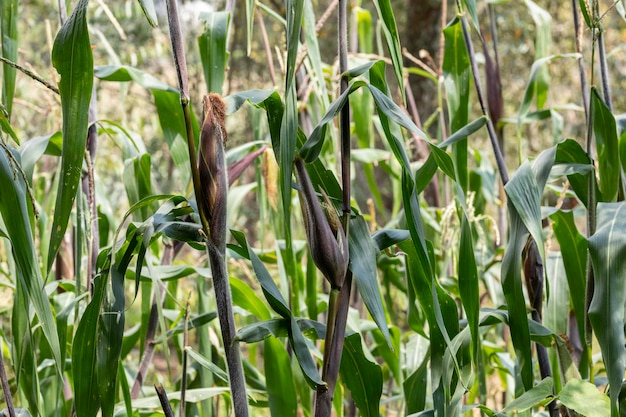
(342,253)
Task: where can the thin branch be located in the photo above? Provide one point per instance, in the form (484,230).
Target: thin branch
(268,49)
(30,74)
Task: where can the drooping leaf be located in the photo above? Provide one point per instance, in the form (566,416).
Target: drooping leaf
(212,46)
(363,253)
(584,398)
(362,377)
(535,75)
(270,290)
(605,133)
(538,395)
(16,213)
(607,248)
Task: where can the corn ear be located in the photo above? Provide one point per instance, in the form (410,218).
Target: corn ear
(212,169)
(329,255)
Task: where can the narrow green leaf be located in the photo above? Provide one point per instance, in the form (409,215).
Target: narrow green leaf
(574,252)
(246,298)
(531,398)
(270,290)
(212,46)
(301,350)
(16,213)
(281,391)
(73,60)
(363,254)
(392,39)
(147,6)
(24,361)
(514,295)
(607,248)
(465,131)
(543,39)
(584,398)
(605,133)
(535,74)
(362,377)
(84,356)
(9,36)
(457,79)
(204,362)
(468,284)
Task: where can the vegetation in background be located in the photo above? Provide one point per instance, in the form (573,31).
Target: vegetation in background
(308,238)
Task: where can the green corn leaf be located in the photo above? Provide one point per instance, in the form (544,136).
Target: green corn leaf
(556,308)
(574,252)
(212,46)
(468,283)
(147,6)
(73,59)
(584,398)
(301,350)
(84,355)
(250,9)
(605,132)
(392,38)
(16,213)
(362,377)
(524,214)
(607,248)
(246,298)
(543,38)
(204,362)
(457,81)
(363,253)
(270,290)
(464,132)
(538,395)
(535,74)
(585,11)
(9,36)
(570,152)
(281,390)
(414,388)
(24,361)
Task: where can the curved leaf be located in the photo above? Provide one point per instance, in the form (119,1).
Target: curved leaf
(362,377)
(607,248)
(363,253)
(73,60)
(9,36)
(16,213)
